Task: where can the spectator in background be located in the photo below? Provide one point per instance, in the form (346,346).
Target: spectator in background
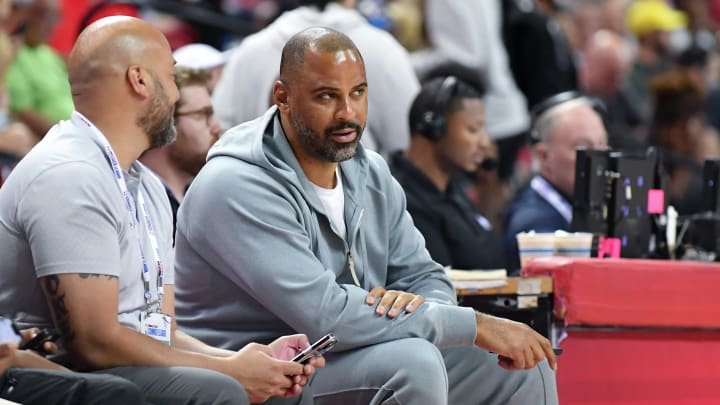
(564,123)
(204,58)
(541,59)
(78,14)
(468,33)
(700,31)
(407,23)
(448,138)
(612,15)
(579,19)
(16,139)
(606,61)
(683,136)
(244,90)
(37,79)
(197,130)
(651,21)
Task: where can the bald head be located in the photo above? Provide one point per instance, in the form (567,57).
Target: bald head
(607,58)
(564,129)
(316,40)
(121,74)
(108,46)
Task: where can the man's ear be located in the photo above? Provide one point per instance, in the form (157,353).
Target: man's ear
(542,152)
(138,79)
(280,95)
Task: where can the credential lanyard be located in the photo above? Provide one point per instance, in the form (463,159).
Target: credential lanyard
(97,136)
(549,194)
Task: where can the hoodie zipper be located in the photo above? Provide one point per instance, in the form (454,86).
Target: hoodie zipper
(351,262)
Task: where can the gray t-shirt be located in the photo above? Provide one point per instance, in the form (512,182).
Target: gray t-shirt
(61,211)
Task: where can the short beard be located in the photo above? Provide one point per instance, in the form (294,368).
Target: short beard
(158,123)
(323,146)
(189,163)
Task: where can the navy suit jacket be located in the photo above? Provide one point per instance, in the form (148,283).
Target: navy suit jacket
(529,212)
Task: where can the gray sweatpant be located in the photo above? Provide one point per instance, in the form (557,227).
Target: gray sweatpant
(49,387)
(193,386)
(183,385)
(414,371)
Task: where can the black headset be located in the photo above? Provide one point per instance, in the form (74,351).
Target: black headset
(539,110)
(433,124)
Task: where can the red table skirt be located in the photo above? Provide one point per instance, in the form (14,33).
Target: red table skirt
(639,367)
(664,346)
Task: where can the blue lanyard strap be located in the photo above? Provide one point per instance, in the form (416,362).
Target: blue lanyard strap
(79,120)
(549,194)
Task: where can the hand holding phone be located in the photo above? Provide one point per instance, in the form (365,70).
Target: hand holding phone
(323,345)
(37,342)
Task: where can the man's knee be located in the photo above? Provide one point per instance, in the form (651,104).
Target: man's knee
(183,385)
(539,387)
(475,377)
(414,358)
(211,387)
(110,390)
(405,371)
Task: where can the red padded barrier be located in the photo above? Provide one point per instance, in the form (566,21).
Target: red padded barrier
(629,292)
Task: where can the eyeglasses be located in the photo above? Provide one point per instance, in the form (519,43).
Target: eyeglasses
(207,112)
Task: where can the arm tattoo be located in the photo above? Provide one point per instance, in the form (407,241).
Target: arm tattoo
(57,301)
(94,275)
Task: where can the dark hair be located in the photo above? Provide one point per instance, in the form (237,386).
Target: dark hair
(676,96)
(321,39)
(471,77)
(693,56)
(426,100)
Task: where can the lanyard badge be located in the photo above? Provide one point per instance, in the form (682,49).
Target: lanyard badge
(153,322)
(157,326)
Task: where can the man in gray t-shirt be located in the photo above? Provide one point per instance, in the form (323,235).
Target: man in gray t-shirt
(62,213)
(86,242)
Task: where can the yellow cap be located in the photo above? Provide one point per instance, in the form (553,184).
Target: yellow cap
(646,16)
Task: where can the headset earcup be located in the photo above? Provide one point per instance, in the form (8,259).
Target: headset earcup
(439,127)
(432,125)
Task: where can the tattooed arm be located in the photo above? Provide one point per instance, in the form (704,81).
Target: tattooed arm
(84,308)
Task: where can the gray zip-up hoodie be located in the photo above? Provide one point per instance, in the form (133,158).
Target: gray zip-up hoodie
(256,256)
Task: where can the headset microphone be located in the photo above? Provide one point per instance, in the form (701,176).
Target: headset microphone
(489,164)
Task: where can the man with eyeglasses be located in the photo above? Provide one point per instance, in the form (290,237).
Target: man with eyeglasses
(197,130)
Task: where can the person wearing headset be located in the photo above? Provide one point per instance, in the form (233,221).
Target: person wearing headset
(448,139)
(562,124)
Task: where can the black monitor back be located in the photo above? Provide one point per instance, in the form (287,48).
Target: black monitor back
(711,188)
(592,192)
(628,215)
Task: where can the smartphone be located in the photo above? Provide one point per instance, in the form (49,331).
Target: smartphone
(36,343)
(9,333)
(323,345)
